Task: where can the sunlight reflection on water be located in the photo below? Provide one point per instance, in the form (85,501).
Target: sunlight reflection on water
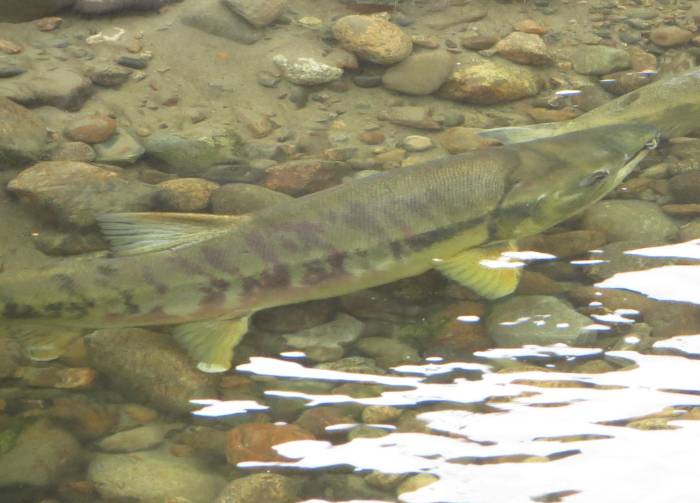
(539,435)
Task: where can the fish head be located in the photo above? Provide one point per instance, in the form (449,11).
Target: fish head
(573,171)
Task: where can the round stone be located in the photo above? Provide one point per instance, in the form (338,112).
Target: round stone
(373,38)
(91,129)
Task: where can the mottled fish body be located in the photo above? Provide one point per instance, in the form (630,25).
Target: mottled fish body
(207,274)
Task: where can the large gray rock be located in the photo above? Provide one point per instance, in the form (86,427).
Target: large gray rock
(212,17)
(154,477)
(189,153)
(26,10)
(630,220)
(600,59)
(60,88)
(537,319)
(23,135)
(148,366)
(421,73)
(38,453)
(74,193)
(257,13)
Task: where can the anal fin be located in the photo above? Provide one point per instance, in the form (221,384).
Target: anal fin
(43,343)
(484,270)
(211,343)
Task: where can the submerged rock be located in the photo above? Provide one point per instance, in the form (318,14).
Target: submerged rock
(307,71)
(36,453)
(257,13)
(489,82)
(262,487)
(373,38)
(120,148)
(326,342)
(60,88)
(537,319)
(150,367)
(108,6)
(154,476)
(630,220)
(255,441)
(23,136)
(600,59)
(525,48)
(189,153)
(51,188)
(420,74)
(214,18)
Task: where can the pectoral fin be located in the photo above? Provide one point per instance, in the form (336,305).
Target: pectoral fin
(484,270)
(137,233)
(211,343)
(44,344)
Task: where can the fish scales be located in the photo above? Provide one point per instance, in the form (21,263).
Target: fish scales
(357,235)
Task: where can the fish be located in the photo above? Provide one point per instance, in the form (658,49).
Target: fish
(670,104)
(207,274)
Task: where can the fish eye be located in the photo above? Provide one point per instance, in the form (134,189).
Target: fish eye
(594,178)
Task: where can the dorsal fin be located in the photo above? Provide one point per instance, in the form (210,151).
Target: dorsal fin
(137,233)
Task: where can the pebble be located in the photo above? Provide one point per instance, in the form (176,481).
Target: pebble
(387,352)
(373,38)
(151,476)
(156,370)
(530,26)
(489,83)
(620,83)
(318,419)
(23,135)
(11,356)
(241,198)
(685,187)
(108,74)
(257,13)
(448,18)
(7,71)
(422,73)
(600,59)
(136,439)
(49,188)
(670,36)
(326,342)
(372,137)
(133,62)
(478,42)
(412,116)
(9,47)
(255,441)
(186,194)
(91,129)
(537,319)
(524,48)
(238,172)
(262,488)
(39,454)
(191,151)
(415,482)
(48,23)
(565,244)
(415,143)
(457,140)
(454,335)
(296,178)
(380,414)
(307,71)
(120,148)
(630,220)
